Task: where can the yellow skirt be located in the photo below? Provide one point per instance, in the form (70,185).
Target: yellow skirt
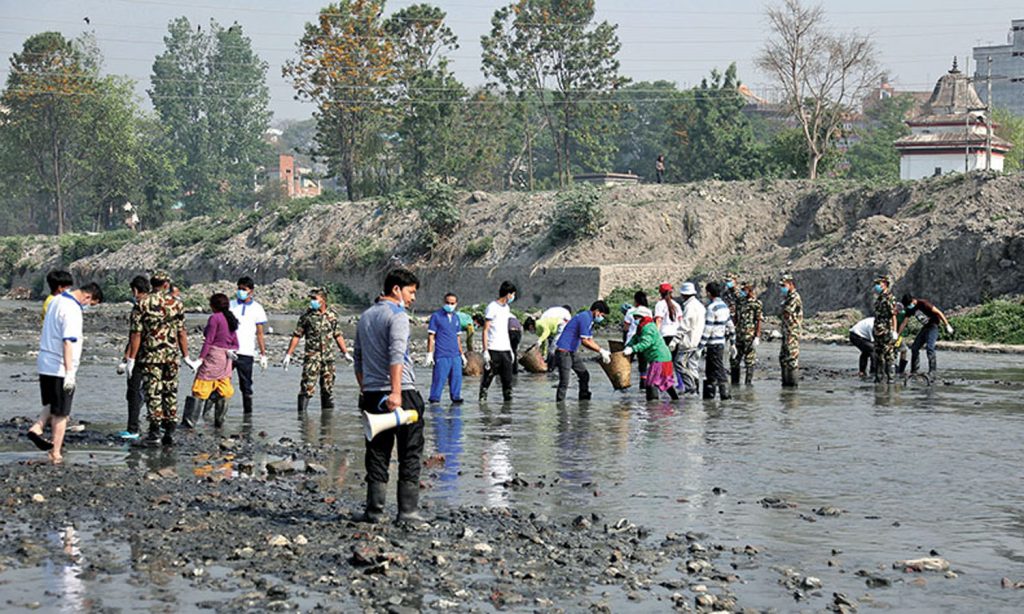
(202,389)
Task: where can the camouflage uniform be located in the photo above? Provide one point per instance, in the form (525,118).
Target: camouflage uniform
(161,319)
(885,345)
(731,298)
(320,330)
(792,322)
(749,313)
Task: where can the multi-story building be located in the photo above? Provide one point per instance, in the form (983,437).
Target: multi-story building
(1007,70)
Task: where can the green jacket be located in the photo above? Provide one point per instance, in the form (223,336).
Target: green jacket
(648,342)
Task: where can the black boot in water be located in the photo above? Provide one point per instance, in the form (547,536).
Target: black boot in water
(303,403)
(376,495)
(220,411)
(191,413)
(247,404)
(651,393)
(168,438)
(409,503)
(749,381)
(724,392)
(734,373)
(709,389)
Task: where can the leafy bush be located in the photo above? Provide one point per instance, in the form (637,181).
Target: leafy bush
(479,248)
(993,322)
(578,215)
(202,231)
(621,295)
(76,246)
(438,206)
(368,252)
(11,250)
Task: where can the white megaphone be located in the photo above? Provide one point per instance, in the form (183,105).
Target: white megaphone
(375,423)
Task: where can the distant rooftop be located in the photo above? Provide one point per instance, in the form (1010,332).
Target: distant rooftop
(953,95)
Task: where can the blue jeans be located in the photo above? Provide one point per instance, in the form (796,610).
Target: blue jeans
(927,337)
(446,370)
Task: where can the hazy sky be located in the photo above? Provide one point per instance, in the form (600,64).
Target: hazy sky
(677,40)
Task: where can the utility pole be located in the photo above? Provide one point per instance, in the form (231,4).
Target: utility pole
(988,118)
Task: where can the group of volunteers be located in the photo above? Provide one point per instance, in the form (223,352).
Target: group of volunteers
(880,337)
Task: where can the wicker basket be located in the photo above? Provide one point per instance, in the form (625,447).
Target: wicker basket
(620,369)
(532,360)
(474,364)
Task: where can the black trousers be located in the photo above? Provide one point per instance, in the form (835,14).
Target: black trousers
(571,362)
(409,438)
(501,366)
(135,399)
(867,353)
(714,364)
(514,337)
(243,366)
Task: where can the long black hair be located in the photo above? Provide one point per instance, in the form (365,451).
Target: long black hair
(219,303)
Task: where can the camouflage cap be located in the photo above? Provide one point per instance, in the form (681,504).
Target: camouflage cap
(746,283)
(785,277)
(886,278)
(161,274)
(732,275)
(316,292)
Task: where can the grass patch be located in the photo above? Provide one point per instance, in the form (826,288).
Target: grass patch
(368,252)
(578,215)
(993,322)
(479,248)
(76,246)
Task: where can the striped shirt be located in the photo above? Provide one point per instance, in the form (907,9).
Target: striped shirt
(718,326)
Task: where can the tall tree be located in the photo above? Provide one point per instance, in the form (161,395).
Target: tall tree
(553,53)
(50,91)
(209,89)
(647,123)
(872,156)
(1011,128)
(427,90)
(345,66)
(822,74)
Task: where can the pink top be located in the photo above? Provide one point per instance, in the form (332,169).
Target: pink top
(218,335)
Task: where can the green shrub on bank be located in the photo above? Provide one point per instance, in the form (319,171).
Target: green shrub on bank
(479,248)
(993,322)
(76,246)
(621,295)
(578,215)
(11,251)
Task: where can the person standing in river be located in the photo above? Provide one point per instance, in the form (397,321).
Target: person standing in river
(60,353)
(498,357)
(252,319)
(648,342)
(885,329)
(213,378)
(792,324)
(730,296)
(719,332)
(140,290)
(157,337)
(930,317)
(444,351)
(687,340)
(321,328)
(749,318)
(387,381)
(579,331)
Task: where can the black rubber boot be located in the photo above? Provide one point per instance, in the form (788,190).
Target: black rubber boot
(153,436)
(724,392)
(902,366)
(652,393)
(376,495)
(794,377)
(190,414)
(672,394)
(734,373)
(326,401)
(168,438)
(220,411)
(932,366)
(247,404)
(709,389)
(207,409)
(303,403)
(789,377)
(409,503)
(749,380)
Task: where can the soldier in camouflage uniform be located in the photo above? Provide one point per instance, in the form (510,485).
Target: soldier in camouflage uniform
(792,322)
(159,332)
(320,327)
(885,330)
(749,314)
(730,296)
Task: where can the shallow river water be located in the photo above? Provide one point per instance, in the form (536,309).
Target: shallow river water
(914,468)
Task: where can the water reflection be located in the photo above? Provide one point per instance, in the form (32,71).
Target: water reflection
(447,429)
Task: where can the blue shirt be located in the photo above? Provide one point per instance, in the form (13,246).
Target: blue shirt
(578,328)
(446,328)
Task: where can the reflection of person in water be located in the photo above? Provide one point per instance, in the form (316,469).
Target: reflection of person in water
(448,440)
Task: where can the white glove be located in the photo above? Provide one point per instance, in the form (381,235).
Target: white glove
(606,356)
(287,360)
(232,355)
(430,359)
(129,366)
(757,341)
(487,359)
(121,366)
(69,381)
(949,329)
(350,358)
(733,352)
(673,345)
(627,352)
(895,335)
(193,364)
(263,362)
(463,357)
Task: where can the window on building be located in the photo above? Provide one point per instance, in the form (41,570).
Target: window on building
(938,172)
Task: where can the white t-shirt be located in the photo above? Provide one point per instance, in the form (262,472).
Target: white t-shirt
(865,328)
(556,312)
(497,334)
(631,320)
(249,315)
(669,327)
(63,322)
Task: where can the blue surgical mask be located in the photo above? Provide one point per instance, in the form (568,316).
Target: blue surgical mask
(242,295)
(743,294)
(784,290)
(449,308)
(134,300)
(599,319)
(878,288)
(511,298)
(314,305)
(729,284)
(910,307)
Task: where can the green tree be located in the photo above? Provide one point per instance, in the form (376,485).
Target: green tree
(345,66)
(209,89)
(554,54)
(873,157)
(1010,127)
(647,125)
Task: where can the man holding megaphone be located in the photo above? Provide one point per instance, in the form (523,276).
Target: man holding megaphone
(392,408)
